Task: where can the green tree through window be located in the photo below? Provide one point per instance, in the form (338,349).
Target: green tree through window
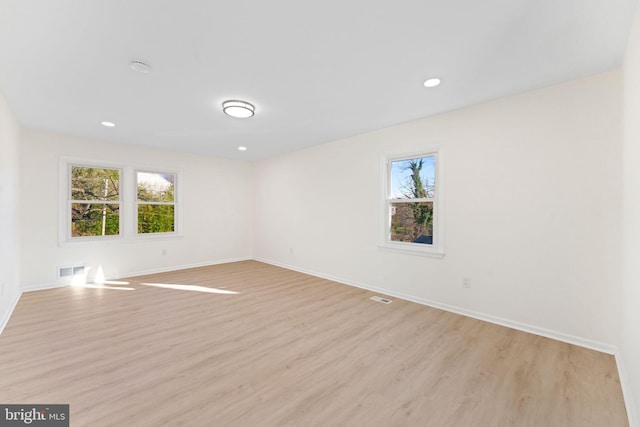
(156,202)
(95,201)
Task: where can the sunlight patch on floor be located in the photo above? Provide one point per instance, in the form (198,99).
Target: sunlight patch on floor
(194,288)
(95,286)
(115,282)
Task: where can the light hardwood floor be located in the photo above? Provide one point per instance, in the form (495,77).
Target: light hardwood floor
(287,349)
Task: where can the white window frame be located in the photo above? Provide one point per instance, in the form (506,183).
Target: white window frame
(128,202)
(65,226)
(176,203)
(436,249)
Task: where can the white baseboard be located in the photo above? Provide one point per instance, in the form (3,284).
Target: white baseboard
(560,336)
(43,286)
(556,335)
(629,403)
(63,283)
(5,319)
(177,267)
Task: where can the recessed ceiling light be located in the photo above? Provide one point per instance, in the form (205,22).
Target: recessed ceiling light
(432,82)
(108,124)
(241,148)
(239,109)
(140,67)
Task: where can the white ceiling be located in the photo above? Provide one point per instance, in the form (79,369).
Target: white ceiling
(316,71)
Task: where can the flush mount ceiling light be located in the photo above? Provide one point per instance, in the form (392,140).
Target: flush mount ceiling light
(433,82)
(242,148)
(140,67)
(239,109)
(108,124)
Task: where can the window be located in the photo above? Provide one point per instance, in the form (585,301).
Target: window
(94,201)
(411,211)
(156,202)
(115,202)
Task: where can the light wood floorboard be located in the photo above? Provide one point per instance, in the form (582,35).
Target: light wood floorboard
(288,350)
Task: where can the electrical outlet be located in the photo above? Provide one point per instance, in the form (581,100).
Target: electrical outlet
(164,252)
(466,282)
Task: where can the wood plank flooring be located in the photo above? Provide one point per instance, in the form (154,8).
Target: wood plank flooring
(265,346)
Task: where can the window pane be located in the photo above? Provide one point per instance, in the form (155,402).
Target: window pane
(412,222)
(156,219)
(95,219)
(413,178)
(95,183)
(156,187)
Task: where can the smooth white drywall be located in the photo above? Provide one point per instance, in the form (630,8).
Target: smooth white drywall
(630,339)
(9,210)
(532,209)
(217,204)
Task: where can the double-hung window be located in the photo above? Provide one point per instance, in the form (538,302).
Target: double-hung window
(411,212)
(94,202)
(156,204)
(100,202)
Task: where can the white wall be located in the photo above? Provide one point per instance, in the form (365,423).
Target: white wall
(217,205)
(9,213)
(630,339)
(533,209)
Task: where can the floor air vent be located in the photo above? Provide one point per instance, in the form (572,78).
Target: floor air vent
(380,299)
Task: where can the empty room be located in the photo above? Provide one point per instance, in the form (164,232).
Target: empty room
(410,213)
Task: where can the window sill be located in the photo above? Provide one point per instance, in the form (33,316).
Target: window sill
(413,249)
(119,239)
(157,236)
